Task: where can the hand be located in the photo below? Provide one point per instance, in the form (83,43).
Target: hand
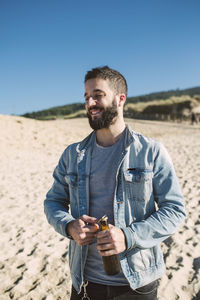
(83,230)
(110,242)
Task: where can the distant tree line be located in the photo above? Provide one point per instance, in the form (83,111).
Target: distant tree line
(56,111)
(73,108)
(164,95)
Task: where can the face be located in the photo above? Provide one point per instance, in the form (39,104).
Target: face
(101,103)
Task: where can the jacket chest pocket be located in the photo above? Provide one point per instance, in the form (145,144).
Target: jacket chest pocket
(138,183)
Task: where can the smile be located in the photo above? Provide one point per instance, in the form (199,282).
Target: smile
(95,112)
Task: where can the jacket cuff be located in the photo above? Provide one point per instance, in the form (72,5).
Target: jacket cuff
(129,235)
(65,228)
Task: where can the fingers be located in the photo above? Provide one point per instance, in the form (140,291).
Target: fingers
(85,238)
(109,234)
(104,241)
(111,241)
(92,227)
(103,234)
(84,229)
(106,249)
(90,223)
(88,219)
(108,252)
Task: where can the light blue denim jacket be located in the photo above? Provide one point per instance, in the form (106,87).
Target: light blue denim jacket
(148,204)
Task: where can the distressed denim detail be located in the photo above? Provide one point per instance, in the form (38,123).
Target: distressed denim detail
(72,179)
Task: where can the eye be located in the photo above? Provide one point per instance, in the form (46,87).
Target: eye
(98,96)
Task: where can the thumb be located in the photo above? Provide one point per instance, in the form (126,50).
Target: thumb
(111,226)
(88,219)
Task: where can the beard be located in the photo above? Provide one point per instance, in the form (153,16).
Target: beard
(107,117)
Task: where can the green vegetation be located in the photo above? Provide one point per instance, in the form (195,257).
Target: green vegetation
(171,108)
(77,114)
(56,112)
(161,105)
(164,95)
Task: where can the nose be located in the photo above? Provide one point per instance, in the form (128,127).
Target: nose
(91,101)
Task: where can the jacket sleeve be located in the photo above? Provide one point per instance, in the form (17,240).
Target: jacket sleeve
(56,205)
(171,211)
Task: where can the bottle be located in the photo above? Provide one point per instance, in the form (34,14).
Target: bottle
(111,263)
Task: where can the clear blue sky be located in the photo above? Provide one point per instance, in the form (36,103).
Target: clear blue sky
(47,46)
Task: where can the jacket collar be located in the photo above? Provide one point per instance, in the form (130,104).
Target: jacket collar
(87,142)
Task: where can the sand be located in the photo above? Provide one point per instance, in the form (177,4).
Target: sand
(33,258)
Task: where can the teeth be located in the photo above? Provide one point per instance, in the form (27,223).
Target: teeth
(95,112)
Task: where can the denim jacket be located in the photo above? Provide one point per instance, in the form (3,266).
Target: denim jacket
(148,205)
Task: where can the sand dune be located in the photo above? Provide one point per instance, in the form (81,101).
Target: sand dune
(33,260)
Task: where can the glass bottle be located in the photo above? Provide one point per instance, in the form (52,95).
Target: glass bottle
(111,263)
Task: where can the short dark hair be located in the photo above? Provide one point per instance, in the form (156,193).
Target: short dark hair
(116,79)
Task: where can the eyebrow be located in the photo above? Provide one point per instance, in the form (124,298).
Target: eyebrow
(95,91)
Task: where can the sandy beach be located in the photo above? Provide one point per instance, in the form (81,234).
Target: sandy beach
(34,258)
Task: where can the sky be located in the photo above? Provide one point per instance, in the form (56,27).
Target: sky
(47,46)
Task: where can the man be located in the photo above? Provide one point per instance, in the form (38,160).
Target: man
(128,177)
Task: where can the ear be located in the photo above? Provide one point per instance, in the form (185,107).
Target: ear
(122,100)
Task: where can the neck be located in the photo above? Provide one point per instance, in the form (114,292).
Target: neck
(108,136)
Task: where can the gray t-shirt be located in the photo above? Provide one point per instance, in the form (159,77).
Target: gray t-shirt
(104,164)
